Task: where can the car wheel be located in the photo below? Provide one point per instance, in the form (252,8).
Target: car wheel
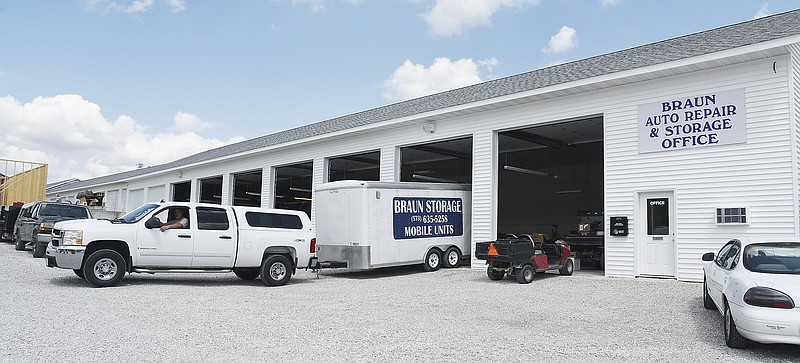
(276,270)
(19,245)
(452,257)
(495,274)
(708,303)
(38,250)
(246,273)
(568,267)
(79,273)
(104,268)
(525,274)
(433,260)
(732,337)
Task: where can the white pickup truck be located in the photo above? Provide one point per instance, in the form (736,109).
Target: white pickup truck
(247,241)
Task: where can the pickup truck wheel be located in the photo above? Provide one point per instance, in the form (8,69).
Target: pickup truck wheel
(568,267)
(38,249)
(452,257)
(246,273)
(495,274)
(525,274)
(433,259)
(104,268)
(18,244)
(276,270)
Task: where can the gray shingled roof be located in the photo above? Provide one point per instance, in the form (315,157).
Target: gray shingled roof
(728,37)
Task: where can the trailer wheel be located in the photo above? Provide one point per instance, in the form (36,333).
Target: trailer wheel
(525,274)
(568,267)
(433,260)
(495,274)
(276,270)
(452,257)
(104,268)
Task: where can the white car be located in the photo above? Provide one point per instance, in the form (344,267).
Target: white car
(756,286)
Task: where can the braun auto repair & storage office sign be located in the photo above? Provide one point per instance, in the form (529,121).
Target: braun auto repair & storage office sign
(710,119)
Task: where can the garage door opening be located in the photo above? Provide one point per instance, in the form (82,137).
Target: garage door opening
(364,166)
(181,192)
(247,188)
(448,161)
(211,190)
(551,185)
(293,185)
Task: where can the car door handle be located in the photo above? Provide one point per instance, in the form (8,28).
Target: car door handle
(225,237)
(184,236)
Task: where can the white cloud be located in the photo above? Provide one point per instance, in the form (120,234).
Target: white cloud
(177,5)
(415,80)
(763,11)
(452,17)
(317,6)
(607,3)
(187,122)
(564,40)
(135,6)
(71,135)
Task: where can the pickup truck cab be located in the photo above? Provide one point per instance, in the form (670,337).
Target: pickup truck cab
(247,241)
(36,220)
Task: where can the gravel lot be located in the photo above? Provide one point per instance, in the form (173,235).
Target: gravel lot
(396,314)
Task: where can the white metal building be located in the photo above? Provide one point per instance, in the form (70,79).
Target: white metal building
(690,141)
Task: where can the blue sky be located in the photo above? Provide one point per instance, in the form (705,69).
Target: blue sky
(94,87)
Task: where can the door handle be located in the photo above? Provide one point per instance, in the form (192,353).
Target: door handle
(225,237)
(184,236)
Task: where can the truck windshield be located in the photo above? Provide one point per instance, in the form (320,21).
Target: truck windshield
(63,211)
(138,213)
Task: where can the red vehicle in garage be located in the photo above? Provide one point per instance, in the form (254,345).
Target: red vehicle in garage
(521,258)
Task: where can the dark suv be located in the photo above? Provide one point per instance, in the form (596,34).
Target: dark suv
(35,223)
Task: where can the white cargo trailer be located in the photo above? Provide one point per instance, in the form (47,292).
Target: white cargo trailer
(370,224)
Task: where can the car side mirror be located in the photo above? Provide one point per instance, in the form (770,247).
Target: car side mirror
(153,222)
(708,256)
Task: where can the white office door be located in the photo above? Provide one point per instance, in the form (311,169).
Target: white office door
(656,242)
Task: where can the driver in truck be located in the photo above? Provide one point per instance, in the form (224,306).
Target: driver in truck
(178,220)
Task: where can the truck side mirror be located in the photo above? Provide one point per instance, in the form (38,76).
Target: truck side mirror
(708,256)
(153,222)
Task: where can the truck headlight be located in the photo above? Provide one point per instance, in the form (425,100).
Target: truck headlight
(72,238)
(46,227)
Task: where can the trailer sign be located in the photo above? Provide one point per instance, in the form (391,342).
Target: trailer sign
(427,217)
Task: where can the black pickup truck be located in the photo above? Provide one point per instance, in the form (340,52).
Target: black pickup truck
(521,258)
(34,225)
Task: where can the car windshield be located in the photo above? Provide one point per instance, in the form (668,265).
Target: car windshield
(773,258)
(63,211)
(137,214)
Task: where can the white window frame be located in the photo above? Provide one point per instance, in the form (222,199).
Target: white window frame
(720,212)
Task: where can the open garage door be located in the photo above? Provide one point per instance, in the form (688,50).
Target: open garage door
(448,161)
(247,188)
(363,166)
(293,186)
(551,185)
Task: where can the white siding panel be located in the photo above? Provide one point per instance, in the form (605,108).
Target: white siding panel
(484,190)
(756,175)
(794,82)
